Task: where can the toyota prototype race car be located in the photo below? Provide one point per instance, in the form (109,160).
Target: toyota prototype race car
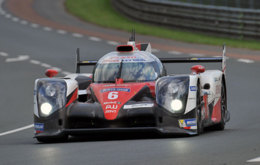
(129,90)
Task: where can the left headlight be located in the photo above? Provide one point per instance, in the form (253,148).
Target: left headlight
(172,93)
(51,96)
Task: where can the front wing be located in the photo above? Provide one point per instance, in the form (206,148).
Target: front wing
(74,121)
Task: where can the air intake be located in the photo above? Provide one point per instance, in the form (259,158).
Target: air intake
(125,48)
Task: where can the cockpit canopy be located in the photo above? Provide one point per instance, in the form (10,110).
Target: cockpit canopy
(133,66)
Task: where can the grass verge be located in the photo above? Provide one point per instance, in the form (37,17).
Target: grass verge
(101,13)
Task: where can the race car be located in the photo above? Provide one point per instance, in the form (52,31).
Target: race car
(130,91)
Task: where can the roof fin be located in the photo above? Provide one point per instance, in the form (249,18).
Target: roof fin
(132,38)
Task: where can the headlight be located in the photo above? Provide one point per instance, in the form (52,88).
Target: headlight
(51,95)
(172,93)
(46,109)
(176,105)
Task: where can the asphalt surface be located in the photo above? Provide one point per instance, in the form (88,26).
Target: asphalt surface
(26,50)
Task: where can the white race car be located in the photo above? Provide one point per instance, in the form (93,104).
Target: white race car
(130,90)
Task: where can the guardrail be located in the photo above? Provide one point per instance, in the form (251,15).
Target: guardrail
(225,21)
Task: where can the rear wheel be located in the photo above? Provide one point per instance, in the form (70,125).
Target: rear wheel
(198,111)
(221,125)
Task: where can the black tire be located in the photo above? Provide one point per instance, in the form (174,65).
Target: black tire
(200,127)
(59,139)
(221,125)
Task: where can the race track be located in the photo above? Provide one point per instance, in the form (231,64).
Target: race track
(27,49)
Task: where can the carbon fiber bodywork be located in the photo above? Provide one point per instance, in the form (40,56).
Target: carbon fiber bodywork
(81,118)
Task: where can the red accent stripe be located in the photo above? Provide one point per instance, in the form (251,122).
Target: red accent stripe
(216,114)
(73,97)
(186,127)
(224,69)
(138,46)
(205,98)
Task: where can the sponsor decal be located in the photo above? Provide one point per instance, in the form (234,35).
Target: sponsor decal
(182,123)
(191,122)
(109,85)
(39,127)
(111,102)
(111,106)
(145,105)
(217,79)
(118,59)
(110,111)
(110,61)
(115,89)
(82,92)
(134,60)
(193,88)
(124,57)
(188,123)
(113,85)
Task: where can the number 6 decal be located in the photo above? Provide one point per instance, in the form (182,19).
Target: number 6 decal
(112,95)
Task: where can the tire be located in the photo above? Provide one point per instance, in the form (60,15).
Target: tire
(221,125)
(200,127)
(59,139)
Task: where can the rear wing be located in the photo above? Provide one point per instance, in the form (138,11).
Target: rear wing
(167,60)
(82,63)
(221,59)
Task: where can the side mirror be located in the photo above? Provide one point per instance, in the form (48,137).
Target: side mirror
(51,73)
(196,69)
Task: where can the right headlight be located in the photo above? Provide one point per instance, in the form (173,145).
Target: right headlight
(51,96)
(172,93)
(176,105)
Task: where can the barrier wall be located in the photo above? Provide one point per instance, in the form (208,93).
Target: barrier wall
(228,21)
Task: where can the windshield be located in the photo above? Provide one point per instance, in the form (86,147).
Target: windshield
(130,72)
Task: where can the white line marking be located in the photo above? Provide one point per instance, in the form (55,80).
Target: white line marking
(2,12)
(19,58)
(155,50)
(3,54)
(45,65)
(114,43)
(47,29)
(35,62)
(23,22)
(94,39)
(196,54)
(77,35)
(16,130)
(34,25)
(55,68)
(66,73)
(245,61)
(175,52)
(61,31)
(254,160)
(8,16)
(15,19)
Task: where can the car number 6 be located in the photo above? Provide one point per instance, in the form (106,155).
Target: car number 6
(112,95)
